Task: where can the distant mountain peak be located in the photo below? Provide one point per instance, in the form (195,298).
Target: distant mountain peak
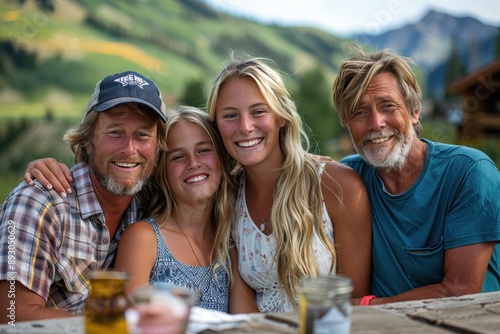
(433,15)
(430,40)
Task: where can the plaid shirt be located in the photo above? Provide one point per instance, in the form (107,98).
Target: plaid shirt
(53,242)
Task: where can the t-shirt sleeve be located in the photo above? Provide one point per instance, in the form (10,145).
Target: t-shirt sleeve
(475,214)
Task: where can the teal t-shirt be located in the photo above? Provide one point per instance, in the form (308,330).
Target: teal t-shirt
(455,202)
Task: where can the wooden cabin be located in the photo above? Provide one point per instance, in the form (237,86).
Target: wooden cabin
(480,95)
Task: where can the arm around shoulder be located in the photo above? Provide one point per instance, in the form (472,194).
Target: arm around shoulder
(51,174)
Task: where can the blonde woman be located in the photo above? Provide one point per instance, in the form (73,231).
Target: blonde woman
(295,216)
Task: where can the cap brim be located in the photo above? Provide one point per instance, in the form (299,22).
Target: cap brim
(120,100)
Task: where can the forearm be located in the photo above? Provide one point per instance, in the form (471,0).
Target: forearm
(16,311)
(40,313)
(464,273)
(426,292)
(21,304)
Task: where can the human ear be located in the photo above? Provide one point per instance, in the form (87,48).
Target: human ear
(415,117)
(282,122)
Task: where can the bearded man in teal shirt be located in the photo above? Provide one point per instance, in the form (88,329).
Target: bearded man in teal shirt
(435,207)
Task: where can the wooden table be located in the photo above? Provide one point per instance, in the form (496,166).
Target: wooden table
(478,314)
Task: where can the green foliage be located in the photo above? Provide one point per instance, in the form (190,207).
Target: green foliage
(48,53)
(315,105)
(194,94)
(11,131)
(497,44)
(490,146)
(7,183)
(254,45)
(316,43)
(46,5)
(455,68)
(31,139)
(174,42)
(13,59)
(440,131)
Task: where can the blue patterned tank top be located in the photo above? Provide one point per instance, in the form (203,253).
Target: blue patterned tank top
(212,293)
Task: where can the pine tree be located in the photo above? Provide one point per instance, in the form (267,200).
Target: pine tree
(455,67)
(497,45)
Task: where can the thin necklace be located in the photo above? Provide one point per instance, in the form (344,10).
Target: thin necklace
(189,243)
(263,224)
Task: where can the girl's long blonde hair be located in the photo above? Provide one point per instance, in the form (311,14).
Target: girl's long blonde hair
(297,209)
(163,201)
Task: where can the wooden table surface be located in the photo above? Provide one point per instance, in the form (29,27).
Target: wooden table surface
(478,314)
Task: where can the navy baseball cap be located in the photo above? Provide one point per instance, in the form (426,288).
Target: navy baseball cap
(126,87)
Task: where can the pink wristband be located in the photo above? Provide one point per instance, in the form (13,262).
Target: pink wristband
(365,301)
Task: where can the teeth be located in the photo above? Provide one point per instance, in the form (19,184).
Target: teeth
(379,140)
(196,179)
(249,143)
(126,164)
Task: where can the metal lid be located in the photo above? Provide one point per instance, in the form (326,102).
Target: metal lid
(105,274)
(326,286)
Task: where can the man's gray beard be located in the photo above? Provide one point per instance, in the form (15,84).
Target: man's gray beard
(118,189)
(114,187)
(394,160)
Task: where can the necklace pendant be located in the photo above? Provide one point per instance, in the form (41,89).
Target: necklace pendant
(262,226)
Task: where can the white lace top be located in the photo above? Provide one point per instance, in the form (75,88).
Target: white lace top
(255,257)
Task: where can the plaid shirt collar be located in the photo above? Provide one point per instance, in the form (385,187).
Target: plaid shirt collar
(88,202)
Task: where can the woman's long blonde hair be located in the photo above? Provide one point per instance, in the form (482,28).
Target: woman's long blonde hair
(297,209)
(163,201)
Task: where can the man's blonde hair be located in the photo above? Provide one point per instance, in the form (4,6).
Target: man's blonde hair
(356,73)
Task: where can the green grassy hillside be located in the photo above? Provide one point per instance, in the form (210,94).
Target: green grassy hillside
(173,42)
(52,56)
(53,52)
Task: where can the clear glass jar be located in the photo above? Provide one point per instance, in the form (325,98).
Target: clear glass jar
(106,305)
(178,300)
(325,305)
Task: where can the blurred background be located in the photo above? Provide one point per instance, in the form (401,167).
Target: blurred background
(52,53)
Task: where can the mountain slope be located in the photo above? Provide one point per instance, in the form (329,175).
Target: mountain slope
(429,41)
(61,52)
(172,41)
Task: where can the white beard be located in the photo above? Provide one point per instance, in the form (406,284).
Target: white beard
(386,158)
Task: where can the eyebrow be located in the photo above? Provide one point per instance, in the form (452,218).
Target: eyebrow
(378,99)
(200,143)
(258,104)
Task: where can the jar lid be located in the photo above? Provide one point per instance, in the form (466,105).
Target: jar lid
(108,274)
(326,286)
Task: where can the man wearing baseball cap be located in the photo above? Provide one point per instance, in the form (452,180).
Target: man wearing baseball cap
(49,243)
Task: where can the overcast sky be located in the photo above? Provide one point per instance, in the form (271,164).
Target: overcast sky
(356,16)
